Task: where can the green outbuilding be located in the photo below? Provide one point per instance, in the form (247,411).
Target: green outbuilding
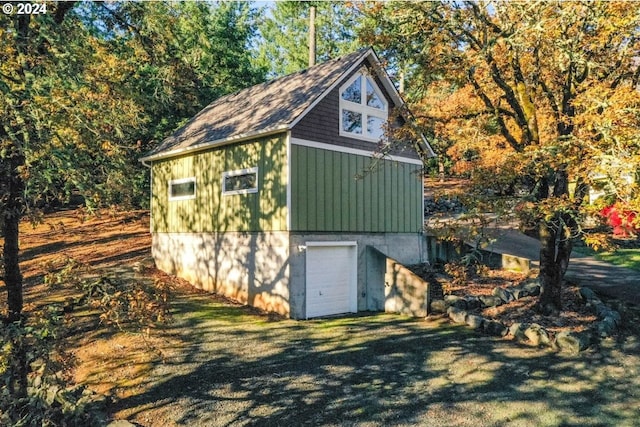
(278,196)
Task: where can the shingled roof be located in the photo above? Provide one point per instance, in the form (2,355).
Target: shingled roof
(263,109)
(259,109)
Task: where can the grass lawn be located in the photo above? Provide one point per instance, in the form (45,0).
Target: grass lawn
(629,258)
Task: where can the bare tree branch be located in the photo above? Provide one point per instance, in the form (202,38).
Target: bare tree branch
(504,130)
(62,8)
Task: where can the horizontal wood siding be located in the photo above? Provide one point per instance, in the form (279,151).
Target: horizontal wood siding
(330,193)
(322,123)
(210,211)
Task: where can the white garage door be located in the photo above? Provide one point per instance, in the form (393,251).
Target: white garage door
(332,270)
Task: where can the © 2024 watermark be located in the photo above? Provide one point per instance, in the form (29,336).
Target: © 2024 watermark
(18,8)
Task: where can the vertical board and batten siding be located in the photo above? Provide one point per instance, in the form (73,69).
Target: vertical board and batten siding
(210,211)
(327,195)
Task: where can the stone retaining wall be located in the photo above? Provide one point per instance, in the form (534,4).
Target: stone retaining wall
(457,308)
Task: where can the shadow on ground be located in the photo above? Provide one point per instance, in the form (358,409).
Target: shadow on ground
(220,364)
(231,367)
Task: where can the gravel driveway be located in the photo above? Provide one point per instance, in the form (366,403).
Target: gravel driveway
(227,366)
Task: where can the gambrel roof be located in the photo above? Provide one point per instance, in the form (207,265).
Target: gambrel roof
(268,108)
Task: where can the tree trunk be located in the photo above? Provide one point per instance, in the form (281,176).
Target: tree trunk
(12,213)
(12,161)
(555,251)
(581,192)
(561,184)
(12,274)
(312,36)
(550,277)
(18,368)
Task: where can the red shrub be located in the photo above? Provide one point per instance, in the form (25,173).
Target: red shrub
(620,219)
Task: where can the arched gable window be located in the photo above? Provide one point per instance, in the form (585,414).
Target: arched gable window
(363,108)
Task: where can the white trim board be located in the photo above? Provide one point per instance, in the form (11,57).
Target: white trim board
(331,243)
(349,150)
(288,179)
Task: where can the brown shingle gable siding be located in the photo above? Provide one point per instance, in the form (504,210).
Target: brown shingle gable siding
(322,123)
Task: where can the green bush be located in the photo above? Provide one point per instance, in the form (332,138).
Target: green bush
(123,302)
(35,391)
(128,304)
(33,361)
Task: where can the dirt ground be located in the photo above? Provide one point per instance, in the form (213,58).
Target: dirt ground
(434,187)
(103,240)
(121,364)
(575,315)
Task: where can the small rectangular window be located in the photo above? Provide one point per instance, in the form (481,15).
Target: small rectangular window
(182,189)
(242,181)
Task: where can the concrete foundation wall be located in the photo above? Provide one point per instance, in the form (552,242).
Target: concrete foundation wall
(403,291)
(251,268)
(407,248)
(443,250)
(446,251)
(268,270)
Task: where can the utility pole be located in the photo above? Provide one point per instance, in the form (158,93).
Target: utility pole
(312,36)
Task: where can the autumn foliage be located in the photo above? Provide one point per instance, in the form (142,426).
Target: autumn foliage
(537,102)
(622,220)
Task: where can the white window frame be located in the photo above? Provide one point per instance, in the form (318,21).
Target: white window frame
(240,172)
(172,182)
(362,107)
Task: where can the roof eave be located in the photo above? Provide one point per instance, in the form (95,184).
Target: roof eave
(384,78)
(212,144)
(427,146)
(382,75)
(335,83)
(397,98)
